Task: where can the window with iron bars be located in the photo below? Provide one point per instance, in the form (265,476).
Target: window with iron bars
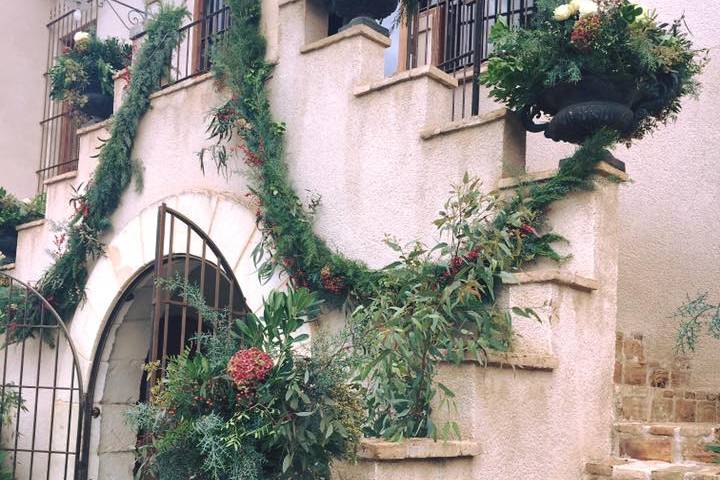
(454,35)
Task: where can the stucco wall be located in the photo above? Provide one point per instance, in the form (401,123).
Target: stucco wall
(23,50)
(670,214)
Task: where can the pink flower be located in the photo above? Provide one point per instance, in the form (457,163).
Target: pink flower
(248,369)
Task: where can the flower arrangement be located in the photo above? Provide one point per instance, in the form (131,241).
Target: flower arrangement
(84,73)
(245,404)
(594,64)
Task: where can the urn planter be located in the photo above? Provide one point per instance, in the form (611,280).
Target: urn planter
(581,109)
(8,242)
(99,106)
(364,12)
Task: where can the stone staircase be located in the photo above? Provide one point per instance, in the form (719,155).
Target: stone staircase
(659,451)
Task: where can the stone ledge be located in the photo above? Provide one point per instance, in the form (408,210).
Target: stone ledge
(7,267)
(523,361)
(416,449)
(94,127)
(357,30)
(560,277)
(182,85)
(472,122)
(428,71)
(602,169)
(29,225)
(61,178)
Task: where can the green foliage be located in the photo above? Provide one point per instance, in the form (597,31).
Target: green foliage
(627,45)
(10,402)
(695,315)
(64,283)
(14,212)
(304,415)
(434,304)
(87,67)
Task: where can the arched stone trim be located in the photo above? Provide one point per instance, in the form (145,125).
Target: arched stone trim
(130,252)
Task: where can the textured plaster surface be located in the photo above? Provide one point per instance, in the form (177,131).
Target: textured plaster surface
(669,217)
(23,49)
(366,156)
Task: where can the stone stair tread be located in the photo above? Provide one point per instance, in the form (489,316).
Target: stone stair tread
(686,429)
(627,469)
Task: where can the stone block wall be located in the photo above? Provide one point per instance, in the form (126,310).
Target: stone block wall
(653,391)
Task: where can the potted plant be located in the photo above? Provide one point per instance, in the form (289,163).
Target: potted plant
(83,75)
(14,212)
(591,65)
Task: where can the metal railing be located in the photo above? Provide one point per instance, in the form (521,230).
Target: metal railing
(454,35)
(192,55)
(59,146)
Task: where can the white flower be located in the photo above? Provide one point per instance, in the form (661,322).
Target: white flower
(587,7)
(563,12)
(81,37)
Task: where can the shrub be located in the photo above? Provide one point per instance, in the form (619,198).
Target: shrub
(245,404)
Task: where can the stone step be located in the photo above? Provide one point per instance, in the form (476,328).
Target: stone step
(665,442)
(628,469)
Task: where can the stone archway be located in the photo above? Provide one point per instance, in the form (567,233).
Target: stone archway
(117,289)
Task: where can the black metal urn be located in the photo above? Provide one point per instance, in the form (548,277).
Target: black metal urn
(8,242)
(364,12)
(581,109)
(99,106)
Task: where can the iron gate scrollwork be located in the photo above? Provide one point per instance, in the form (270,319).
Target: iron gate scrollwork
(41,396)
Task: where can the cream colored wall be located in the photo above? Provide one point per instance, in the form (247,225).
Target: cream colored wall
(23,53)
(670,214)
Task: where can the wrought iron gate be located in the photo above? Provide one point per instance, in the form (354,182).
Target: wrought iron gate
(185,252)
(41,396)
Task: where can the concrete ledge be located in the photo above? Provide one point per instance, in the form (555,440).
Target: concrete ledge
(560,277)
(187,83)
(415,449)
(357,30)
(94,127)
(471,122)
(7,267)
(61,178)
(602,169)
(522,361)
(29,225)
(428,71)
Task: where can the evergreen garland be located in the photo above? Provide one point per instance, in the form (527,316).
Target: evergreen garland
(63,284)
(434,304)
(286,224)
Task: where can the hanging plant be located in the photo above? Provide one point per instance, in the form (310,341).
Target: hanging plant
(82,77)
(592,65)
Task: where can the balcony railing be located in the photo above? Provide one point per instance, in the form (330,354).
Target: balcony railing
(192,56)
(454,35)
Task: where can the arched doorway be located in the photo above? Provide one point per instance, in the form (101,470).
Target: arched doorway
(149,323)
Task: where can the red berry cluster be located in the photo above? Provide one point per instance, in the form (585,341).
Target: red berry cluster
(248,369)
(457,262)
(226,112)
(203,401)
(585,31)
(528,229)
(251,158)
(330,282)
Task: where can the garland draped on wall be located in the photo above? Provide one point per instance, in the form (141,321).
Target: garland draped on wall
(63,284)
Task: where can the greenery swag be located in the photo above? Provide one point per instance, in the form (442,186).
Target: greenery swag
(64,283)
(435,304)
